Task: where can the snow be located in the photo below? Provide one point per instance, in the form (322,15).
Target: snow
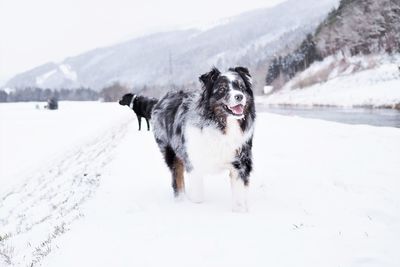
(8,90)
(268,89)
(68,72)
(321,194)
(64,70)
(205,26)
(31,136)
(371,81)
(40,80)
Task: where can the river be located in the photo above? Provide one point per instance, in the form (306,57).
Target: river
(375,117)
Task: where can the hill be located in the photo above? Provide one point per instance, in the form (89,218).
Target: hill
(178,57)
(356,27)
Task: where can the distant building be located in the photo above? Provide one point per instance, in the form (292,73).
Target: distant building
(52,103)
(268,89)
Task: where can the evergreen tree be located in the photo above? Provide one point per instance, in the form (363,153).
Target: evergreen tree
(3,96)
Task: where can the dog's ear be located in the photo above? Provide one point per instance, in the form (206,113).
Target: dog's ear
(126,95)
(210,77)
(243,72)
(245,75)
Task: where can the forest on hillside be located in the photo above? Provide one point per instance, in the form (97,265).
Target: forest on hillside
(355,27)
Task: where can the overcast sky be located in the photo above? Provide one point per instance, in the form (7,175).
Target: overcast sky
(33,32)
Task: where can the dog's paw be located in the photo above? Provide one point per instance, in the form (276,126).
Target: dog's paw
(195,190)
(240,208)
(180,197)
(195,196)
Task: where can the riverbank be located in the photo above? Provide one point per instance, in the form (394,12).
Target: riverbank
(377,86)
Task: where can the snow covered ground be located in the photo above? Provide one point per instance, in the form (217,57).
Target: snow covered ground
(32,137)
(321,194)
(367,81)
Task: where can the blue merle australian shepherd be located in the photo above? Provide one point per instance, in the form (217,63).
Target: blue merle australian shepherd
(209,131)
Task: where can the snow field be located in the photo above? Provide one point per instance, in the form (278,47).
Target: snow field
(321,194)
(31,138)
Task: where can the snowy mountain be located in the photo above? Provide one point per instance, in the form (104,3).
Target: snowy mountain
(361,27)
(180,56)
(356,27)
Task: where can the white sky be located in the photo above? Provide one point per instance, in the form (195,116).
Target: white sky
(33,32)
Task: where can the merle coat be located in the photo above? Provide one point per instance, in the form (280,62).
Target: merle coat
(207,131)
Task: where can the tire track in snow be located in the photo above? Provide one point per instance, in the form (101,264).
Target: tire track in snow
(44,207)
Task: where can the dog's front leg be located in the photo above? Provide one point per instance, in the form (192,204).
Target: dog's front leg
(239,174)
(239,192)
(139,119)
(195,187)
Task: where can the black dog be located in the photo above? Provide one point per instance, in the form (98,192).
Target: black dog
(141,105)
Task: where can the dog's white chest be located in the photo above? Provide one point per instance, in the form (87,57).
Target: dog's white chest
(210,150)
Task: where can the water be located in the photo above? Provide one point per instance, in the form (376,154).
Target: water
(375,117)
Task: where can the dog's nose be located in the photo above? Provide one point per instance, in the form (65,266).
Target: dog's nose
(239,97)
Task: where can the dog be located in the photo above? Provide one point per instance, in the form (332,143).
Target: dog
(208,131)
(142,106)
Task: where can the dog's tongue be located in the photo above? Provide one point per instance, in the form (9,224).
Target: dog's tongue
(238,109)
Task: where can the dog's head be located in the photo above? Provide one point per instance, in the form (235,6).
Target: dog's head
(229,93)
(127,99)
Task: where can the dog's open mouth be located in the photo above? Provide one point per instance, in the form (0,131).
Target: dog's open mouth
(236,110)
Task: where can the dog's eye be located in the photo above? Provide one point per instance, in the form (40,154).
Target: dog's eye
(221,89)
